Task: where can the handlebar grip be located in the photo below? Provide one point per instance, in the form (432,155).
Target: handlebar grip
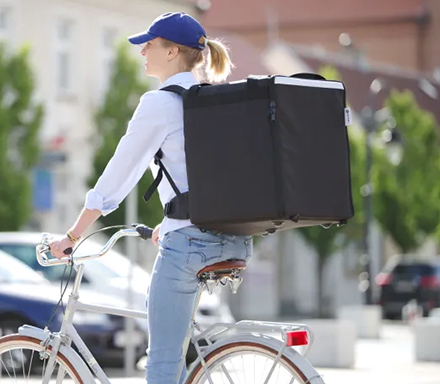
(68,251)
(144,231)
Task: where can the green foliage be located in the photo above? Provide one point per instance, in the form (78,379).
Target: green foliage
(20,122)
(330,73)
(407,197)
(122,97)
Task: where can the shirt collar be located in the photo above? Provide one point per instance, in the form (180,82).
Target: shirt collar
(180,78)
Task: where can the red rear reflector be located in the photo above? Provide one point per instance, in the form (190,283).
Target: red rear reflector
(297,338)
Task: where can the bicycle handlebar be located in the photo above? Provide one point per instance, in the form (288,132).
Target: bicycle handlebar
(42,247)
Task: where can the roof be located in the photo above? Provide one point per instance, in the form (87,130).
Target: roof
(357,79)
(246,58)
(229,14)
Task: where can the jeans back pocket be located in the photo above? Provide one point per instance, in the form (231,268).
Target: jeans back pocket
(203,252)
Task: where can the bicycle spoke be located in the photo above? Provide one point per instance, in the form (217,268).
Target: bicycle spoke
(30,363)
(228,376)
(248,367)
(242,364)
(22,364)
(6,369)
(44,369)
(254,368)
(60,375)
(12,363)
(264,370)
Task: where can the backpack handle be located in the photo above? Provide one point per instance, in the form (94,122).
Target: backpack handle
(310,76)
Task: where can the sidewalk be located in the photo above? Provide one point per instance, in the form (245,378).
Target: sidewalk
(388,360)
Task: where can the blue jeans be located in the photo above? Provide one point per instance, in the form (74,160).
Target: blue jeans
(173,289)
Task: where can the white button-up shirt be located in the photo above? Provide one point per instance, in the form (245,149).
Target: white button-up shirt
(156,123)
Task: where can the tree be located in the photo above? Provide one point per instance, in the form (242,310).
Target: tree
(20,121)
(407,196)
(121,99)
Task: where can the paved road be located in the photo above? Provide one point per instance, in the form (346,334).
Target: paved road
(389,360)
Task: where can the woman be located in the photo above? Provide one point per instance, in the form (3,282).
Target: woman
(173,47)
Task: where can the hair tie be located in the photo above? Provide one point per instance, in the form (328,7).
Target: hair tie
(206,42)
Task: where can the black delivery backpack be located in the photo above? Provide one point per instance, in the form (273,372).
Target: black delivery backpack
(264,154)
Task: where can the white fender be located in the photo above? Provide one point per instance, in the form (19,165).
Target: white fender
(299,360)
(79,364)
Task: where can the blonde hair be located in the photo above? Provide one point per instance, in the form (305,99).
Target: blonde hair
(218,64)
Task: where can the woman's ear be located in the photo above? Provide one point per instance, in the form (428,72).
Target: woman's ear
(173,51)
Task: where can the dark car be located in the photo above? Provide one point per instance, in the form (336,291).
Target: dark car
(405,279)
(28,298)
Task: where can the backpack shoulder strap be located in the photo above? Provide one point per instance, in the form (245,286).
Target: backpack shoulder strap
(177,89)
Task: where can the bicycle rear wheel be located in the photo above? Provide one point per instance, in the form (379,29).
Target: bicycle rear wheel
(249,363)
(20,363)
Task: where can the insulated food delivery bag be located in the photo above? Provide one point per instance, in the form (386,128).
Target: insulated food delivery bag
(266,154)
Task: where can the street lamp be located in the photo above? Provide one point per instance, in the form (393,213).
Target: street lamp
(372,120)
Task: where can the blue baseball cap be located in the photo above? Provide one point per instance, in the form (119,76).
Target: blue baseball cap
(177,27)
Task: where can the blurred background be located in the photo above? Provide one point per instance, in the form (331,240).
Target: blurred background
(69,82)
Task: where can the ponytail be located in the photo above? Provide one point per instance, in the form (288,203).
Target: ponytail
(218,66)
(219,63)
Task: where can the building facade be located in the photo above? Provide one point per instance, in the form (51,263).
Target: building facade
(398,32)
(72,48)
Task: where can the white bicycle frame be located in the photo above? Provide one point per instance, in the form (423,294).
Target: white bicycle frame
(68,333)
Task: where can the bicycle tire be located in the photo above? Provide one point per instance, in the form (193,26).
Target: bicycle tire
(197,375)
(16,342)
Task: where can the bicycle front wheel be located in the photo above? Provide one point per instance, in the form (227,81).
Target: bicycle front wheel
(249,363)
(21,362)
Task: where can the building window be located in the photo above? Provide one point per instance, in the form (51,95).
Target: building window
(63,51)
(4,22)
(108,53)
(63,71)
(64,30)
(4,19)
(109,38)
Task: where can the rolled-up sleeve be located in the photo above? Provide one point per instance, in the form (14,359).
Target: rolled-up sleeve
(145,134)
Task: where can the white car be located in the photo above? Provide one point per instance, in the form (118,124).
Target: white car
(108,274)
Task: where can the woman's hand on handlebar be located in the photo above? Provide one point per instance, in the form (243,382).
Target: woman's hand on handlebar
(58,247)
(155,235)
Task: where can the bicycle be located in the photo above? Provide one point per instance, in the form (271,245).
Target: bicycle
(245,345)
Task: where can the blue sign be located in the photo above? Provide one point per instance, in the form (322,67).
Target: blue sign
(42,196)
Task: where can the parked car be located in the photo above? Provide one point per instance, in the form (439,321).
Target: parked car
(109,275)
(406,278)
(26,297)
